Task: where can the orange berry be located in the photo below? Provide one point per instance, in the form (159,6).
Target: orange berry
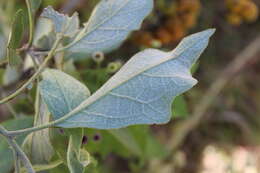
(250,12)
(234,19)
(172,23)
(189,5)
(163,35)
(189,20)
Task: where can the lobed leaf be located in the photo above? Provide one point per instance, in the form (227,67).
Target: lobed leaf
(110,24)
(140,93)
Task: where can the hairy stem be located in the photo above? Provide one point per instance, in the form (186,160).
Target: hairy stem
(37,73)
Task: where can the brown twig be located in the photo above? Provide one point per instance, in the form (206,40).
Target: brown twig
(182,129)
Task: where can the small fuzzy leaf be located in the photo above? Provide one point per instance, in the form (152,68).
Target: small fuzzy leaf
(62,23)
(110,24)
(17,30)
(141,92)
(67,91)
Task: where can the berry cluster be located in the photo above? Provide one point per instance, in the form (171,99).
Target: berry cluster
(179,17)
(240,11)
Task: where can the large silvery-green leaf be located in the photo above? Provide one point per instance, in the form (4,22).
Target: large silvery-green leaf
(110,24)
(140,93)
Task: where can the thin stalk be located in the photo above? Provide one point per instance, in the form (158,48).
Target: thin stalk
(31,23)
(17,166)
(17,149)
(22,156)
(37,73)
(37,104)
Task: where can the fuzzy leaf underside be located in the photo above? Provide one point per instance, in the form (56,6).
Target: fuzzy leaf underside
(67,92)
(140,93)
(110,24)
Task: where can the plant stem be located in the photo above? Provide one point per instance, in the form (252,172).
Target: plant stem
(37,73)
(17,149)
(22,156)
(37,104)
(31,23)
(17,165)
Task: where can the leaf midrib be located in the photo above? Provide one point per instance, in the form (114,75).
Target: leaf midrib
(85,104)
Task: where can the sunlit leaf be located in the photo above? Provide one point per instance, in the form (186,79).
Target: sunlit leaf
(140,93)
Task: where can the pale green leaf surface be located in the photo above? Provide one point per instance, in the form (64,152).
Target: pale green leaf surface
(110,24)
(140,93)
(68,92)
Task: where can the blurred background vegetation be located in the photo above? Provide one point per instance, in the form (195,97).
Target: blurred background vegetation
(226,136)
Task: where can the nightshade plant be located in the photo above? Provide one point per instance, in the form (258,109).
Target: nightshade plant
(141,92)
